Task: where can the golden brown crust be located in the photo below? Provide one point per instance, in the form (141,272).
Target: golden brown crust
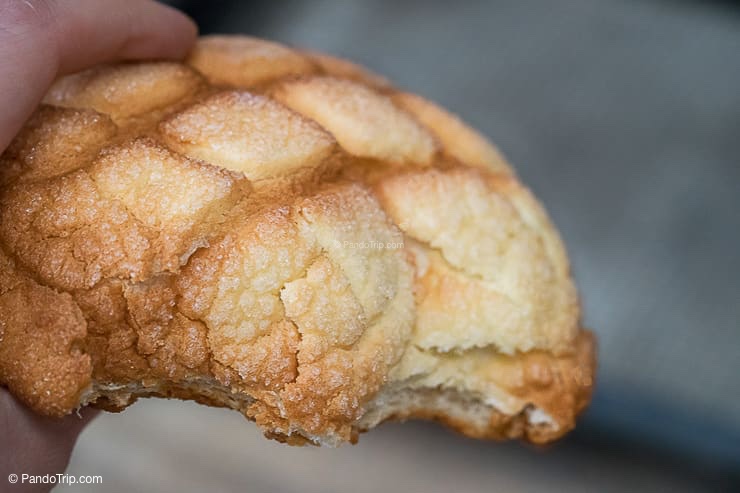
(41,344)
(483,248)
(282,233)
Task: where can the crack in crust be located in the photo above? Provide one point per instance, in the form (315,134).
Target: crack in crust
(282,233)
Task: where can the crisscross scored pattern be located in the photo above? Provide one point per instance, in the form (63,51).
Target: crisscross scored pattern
(286,234)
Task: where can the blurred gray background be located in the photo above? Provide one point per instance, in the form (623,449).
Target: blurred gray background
(624,118)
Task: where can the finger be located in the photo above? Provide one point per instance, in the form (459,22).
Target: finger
(33,444)
(41,39)
(121,30)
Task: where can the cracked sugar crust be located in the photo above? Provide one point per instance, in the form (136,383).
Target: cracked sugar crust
(283,233)
(493,256)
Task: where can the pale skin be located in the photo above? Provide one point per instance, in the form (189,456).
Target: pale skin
(39,41)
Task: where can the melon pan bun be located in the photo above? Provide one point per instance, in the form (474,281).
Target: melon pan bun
(286,234)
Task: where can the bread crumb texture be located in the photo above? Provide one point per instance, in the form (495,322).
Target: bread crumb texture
(283,233)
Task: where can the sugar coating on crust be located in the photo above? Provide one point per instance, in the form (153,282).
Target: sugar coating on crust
(54,142)
(249,133)
(277,296)
(478,254)
(457,139)
(246,62)
(344,69)
(41,339)
(282,233)
(125,90)
(366,123)
(122,216)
